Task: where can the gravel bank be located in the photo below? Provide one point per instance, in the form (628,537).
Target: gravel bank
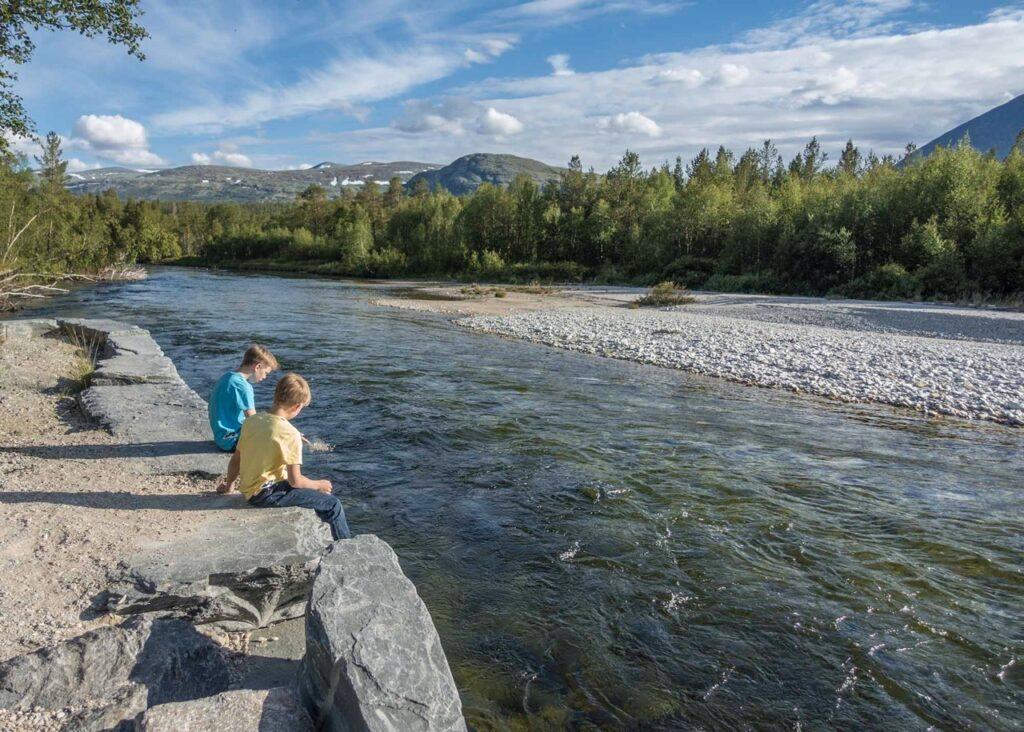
(961,378)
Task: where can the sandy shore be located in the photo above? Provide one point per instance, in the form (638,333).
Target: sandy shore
(936,359)
(69,509)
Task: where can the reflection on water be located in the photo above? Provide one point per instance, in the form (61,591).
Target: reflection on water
(608,544)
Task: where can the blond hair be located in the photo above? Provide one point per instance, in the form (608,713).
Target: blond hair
(256,353)
(292,391)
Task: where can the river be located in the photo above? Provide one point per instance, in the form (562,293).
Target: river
(610,545)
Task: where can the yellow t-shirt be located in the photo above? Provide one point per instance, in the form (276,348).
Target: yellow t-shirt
(266,446)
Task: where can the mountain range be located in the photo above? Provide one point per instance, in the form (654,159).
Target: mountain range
(218,183)
(469,172)
(213,183)
(996,129)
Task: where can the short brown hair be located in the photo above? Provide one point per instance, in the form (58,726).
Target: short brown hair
(256,353)
(292,391)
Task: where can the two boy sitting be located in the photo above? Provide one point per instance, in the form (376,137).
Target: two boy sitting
(267,459)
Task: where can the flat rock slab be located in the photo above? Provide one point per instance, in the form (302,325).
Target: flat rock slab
(244,568)
(98,329)
(138,344)
(269,710)
(373,658)
(131,368)
(26,328)
(165,423)
(115,672)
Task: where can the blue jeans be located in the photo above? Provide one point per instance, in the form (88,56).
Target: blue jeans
(326,505)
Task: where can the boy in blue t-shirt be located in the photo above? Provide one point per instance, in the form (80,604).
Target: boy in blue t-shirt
(232,398)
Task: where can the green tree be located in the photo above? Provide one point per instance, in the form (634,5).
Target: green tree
(21,20)
(52,168)
(850,159)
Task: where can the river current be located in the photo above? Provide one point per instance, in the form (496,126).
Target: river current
(609,545)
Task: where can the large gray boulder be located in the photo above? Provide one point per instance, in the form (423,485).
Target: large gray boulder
(115,672)
(245,710)
(242,569)
(373,658)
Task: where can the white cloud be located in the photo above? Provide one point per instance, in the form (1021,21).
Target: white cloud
(629,123)
(110,132)
(493,122)
(560,64)
(77,166)
(497,46)
(226,154)
(689,78)
(566,11)
(25,146)
(883,89)
(730,74)
(341,85)
(115,138)
(474,57)
(300,166)
(448,115)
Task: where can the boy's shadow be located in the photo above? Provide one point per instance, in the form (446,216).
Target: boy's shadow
(125,501)
(123,450)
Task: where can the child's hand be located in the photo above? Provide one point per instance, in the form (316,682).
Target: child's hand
(225,487)
(325,486)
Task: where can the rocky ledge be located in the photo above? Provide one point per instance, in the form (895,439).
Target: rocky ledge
(372,658)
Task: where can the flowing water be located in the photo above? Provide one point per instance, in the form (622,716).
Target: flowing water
(608,545)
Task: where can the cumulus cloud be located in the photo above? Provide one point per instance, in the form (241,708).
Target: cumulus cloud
(77,166)
(881,88)
(730,74)
(630,123)
(689,78)
(113,137)
(22,145)
(226,154)
(448,115)
(493,122)
(560,65)
(300,166)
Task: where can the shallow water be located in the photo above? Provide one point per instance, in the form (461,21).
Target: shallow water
(603,544)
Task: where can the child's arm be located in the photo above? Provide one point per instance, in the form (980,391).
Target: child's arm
(228,483)
(297,480)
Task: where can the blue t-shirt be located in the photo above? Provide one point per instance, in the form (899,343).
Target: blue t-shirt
(230,399)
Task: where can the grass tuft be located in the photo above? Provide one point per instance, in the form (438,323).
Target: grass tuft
(664,294)
(84,364)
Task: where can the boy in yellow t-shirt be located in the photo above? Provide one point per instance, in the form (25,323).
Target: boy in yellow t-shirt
(270,460)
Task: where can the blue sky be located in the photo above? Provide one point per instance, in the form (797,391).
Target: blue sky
(287,84)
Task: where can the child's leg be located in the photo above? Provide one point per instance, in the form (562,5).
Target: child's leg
(326,505)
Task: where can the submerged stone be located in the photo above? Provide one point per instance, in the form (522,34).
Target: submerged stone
(373,658)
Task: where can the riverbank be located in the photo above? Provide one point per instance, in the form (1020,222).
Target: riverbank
(936,359)
(71,507)
(99,526)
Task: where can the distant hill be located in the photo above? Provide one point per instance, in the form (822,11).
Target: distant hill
(215,183)
(467,173)
(996,129)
